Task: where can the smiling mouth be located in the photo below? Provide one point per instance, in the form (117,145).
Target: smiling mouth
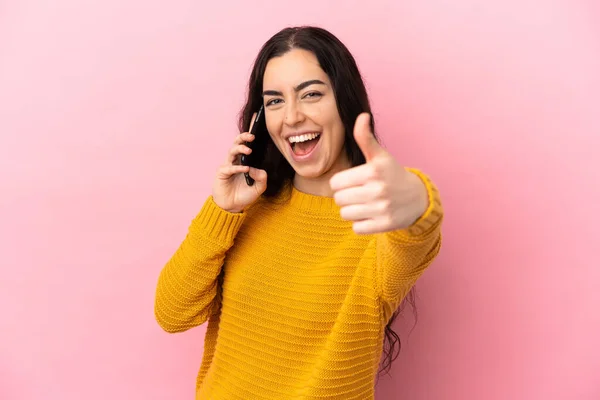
(304,144)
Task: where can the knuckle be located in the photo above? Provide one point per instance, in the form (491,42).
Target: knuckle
(387,220)
(380,190)
(376,170)
(385,206)
(371,173)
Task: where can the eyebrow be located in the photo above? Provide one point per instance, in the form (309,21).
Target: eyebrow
(296,89)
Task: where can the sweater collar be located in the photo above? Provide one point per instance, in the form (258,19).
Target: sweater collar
(310,202)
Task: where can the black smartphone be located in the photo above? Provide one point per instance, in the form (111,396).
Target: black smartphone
(258,145)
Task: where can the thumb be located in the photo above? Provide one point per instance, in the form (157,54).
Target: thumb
(365,138)
(260,178)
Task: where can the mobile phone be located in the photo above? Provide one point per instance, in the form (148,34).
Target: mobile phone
(258,145)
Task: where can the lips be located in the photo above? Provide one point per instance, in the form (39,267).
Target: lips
(304,147)
(303,137)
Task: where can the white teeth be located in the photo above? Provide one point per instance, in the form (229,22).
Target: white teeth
(303,138)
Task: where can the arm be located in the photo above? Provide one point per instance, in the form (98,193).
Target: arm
(404,254)
(401,206)
(188,284)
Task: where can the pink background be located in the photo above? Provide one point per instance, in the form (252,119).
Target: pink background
(115,114)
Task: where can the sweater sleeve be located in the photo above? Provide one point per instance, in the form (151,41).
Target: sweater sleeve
(188,284)
(403,255)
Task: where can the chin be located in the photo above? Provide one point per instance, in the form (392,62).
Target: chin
(310,171)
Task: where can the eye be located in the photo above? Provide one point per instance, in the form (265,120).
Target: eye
(313,95)
(272,101)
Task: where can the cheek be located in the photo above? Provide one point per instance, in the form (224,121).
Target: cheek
(339,137)
(338,133)
(327,115)
(330,118)
(273,125)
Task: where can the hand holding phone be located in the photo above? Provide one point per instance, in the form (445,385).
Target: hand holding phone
(232,191)
(258,145)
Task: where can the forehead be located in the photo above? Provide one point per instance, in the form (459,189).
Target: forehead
(295,66)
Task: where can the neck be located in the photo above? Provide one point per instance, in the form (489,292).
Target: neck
(319,186)
(315,186)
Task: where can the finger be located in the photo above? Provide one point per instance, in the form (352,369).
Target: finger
(246,136)
(365,138)
(252,121)
(354,195)
(235,151)
(351,177)
(259,175)
(243,138)
(260,179)
(358,212)
(227,171)
(370,226)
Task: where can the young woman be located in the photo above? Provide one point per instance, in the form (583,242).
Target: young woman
(300,275)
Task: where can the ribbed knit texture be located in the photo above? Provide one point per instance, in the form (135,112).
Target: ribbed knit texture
(300,308)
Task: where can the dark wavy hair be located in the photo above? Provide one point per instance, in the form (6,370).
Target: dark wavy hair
(351,97)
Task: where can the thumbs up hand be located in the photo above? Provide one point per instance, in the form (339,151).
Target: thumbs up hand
(380,195)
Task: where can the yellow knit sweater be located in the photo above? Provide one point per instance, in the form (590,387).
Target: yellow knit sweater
(300,308)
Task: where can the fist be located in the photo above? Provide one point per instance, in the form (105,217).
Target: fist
(380,195)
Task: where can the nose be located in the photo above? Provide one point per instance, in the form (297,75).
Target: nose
(293,114)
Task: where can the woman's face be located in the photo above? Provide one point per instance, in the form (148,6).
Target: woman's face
(302,116)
